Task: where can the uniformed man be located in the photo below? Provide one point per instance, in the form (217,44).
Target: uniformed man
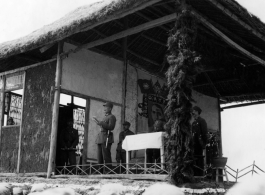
(104,138)
(199,131)
(121,153)
(69,139)
(153,154)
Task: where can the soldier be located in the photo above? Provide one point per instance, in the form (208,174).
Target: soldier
(199,131)
(121,153)
(104,138)
(69,140)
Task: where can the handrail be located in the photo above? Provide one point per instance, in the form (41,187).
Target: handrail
(230,168)
(245,168)
(237,176)
(139,168)
(259,168)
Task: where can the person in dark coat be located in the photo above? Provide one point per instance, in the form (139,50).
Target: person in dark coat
(69,139)
(104,138)
(153,154)
(121,153)
(199,132)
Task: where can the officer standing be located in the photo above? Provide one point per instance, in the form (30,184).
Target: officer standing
(199,131)
(104,138)
(121,153)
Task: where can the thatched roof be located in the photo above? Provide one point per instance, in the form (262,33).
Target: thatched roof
(95,14)
(228,77)
(82,17)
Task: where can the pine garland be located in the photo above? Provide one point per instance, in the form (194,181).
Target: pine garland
(184,66)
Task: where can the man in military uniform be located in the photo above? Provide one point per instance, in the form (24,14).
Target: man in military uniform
(104,138)
(199,131)
(121,153)
(69,139)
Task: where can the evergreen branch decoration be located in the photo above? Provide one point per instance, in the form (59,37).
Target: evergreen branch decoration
(184,66)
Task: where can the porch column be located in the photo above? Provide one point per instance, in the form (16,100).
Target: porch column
(220,128)
(55,111)
(124,79)
(2,110)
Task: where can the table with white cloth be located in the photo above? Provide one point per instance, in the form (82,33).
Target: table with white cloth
(144,141)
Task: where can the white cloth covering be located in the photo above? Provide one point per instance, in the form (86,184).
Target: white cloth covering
(142,141)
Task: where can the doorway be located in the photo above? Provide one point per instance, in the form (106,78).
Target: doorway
(71,128)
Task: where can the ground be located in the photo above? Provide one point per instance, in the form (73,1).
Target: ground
(85,186)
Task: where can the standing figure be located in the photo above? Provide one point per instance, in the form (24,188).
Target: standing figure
(121,153)
(199,132)
(10,121)
(153,154)
(104,138)
(69,139)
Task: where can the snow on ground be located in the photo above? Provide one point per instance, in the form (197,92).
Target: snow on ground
(83,186)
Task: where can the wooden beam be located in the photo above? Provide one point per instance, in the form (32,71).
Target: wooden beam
(128,50)
(243,95)
(150,19)
(55,111)
(217,82)
(243,105)
(85,144)
(124,78)
(154,40)
(125,33)
(237,19)
(46,47)
(116,176)
(121,15)
(21,125)
(227,39)
(27,67)
(69,92)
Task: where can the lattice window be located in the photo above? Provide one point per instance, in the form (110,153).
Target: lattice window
(79,124)
(15,110)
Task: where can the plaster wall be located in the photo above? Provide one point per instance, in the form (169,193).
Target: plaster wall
(131,98)
(92,74)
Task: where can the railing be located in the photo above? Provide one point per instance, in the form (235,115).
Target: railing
(108,169)
(140,168)
(237,172)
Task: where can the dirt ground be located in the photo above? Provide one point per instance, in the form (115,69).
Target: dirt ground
(86,186)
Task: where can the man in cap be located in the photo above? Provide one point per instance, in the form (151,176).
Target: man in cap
(121,153)
(104,138)
(199,132)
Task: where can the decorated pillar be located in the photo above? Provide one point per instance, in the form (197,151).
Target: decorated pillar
(184,66)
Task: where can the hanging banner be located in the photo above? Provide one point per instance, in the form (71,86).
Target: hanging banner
(152,93)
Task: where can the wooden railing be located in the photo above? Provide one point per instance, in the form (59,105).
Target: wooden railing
(238,173)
